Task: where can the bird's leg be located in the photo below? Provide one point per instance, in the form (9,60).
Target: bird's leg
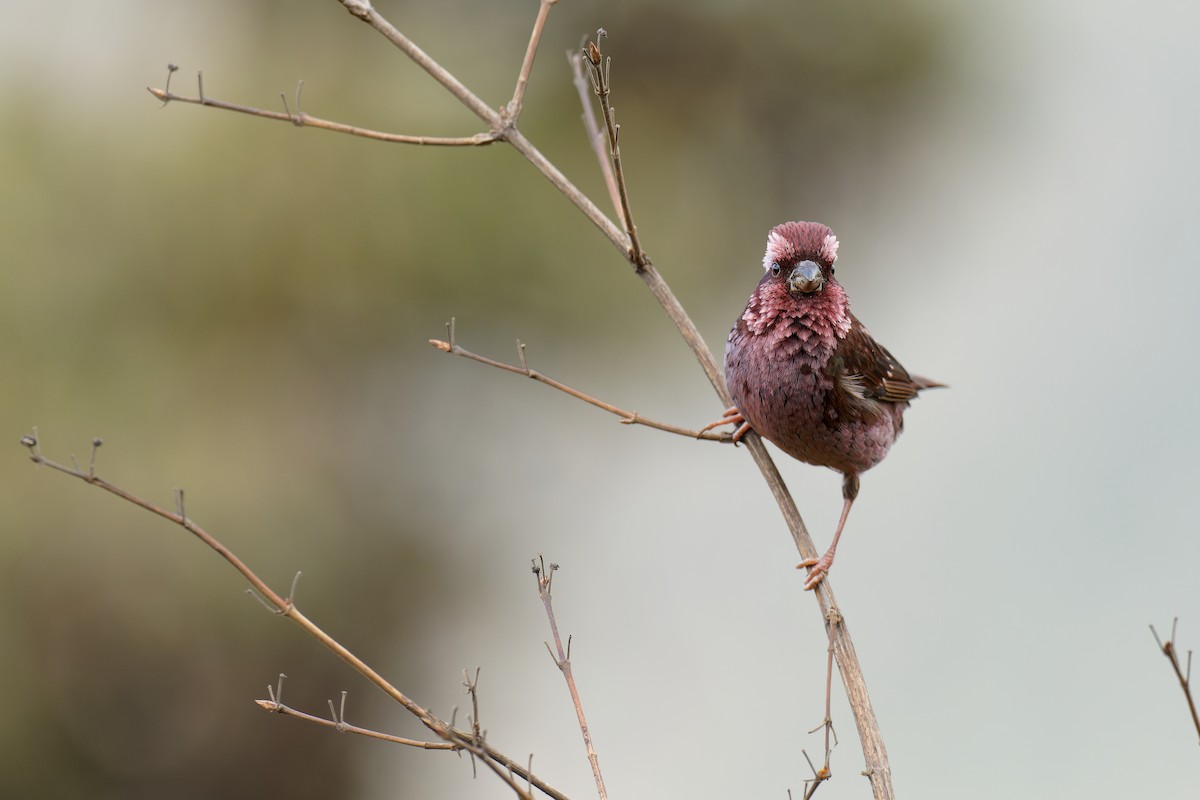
(731,417)
(818,568)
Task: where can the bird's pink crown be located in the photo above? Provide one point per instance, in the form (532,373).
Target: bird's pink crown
(797,241)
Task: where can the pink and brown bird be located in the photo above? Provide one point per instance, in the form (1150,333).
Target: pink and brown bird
(806,375)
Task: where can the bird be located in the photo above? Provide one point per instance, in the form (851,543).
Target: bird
(806,375)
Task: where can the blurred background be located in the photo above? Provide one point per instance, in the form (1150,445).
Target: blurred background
(241,308)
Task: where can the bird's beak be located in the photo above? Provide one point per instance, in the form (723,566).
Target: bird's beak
(806,278)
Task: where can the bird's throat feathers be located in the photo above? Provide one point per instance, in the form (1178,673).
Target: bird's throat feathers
(810,324)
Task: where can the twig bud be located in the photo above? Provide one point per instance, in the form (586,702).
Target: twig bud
(593,53)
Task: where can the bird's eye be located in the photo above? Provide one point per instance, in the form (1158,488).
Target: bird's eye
(775,270)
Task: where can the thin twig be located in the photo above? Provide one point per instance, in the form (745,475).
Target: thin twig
(562,659)
(600,68)
(302,120)
(286,608)
(627,417)
(595,136)
(1185,676)
(514,107)
(824,773)
(814,782)
(472,686)
(288,711)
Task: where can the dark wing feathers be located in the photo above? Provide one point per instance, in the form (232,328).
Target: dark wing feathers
(865,368)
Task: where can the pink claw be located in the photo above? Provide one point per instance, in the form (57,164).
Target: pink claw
(731,417)
(818,568)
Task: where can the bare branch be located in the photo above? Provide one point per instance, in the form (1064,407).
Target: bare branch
(627,417)
(824,773)
(288,711)
(595,136)
(302,120)
(600,68)
(472,687)
(363,10)
(514,107)
(1169,650)
(495,122)
(286,608)
(35,454)
(545,578)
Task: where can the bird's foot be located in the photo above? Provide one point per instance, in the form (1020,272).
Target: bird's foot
(818,568)
(731,417)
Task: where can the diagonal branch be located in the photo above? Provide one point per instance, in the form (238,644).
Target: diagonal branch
(284,607)
(363,10)
(513,110)
(627,417)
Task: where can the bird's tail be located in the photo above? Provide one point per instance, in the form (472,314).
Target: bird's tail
(926,383)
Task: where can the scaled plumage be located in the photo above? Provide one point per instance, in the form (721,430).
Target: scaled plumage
(806,375)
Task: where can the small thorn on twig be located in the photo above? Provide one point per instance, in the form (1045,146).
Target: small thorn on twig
(264,603)
(524,360)
(33,444)
(339,719)
(179,505)
(96,442)
(291,598)
(277,694)
(299,121)
(200,87)
(171,69)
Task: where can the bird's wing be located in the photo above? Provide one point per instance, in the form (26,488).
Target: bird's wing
(866,369)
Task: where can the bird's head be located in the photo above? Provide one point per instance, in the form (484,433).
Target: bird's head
(800,257)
